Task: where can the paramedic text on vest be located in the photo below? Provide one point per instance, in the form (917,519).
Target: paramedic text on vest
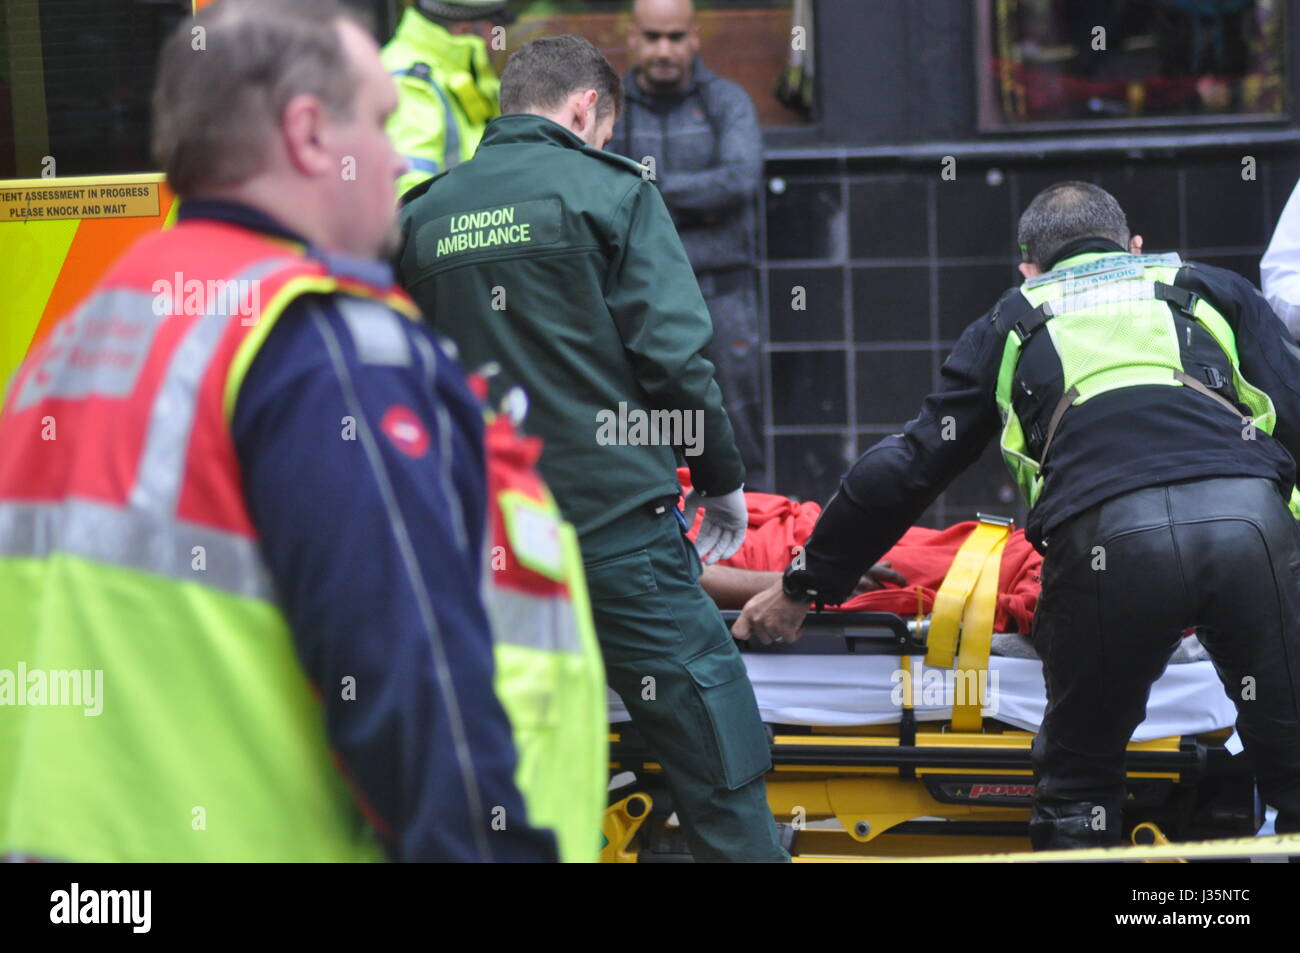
(1149,408)
(261,516)
(558,262)
(701,132)
(446,87)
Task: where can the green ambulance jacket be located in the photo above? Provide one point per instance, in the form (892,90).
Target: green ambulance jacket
(560,263)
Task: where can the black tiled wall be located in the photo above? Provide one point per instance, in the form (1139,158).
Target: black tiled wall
(894,262)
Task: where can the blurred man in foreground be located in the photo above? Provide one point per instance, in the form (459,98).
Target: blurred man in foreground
(243,486)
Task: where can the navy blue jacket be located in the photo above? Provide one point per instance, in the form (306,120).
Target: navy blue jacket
(364,474)
(708,154)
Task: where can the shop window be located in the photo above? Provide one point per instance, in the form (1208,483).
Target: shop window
(748,41)
(1084,62)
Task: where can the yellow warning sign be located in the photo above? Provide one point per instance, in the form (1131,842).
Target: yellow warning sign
(45,203)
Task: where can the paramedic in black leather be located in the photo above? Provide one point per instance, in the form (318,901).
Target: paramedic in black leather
(1168,395)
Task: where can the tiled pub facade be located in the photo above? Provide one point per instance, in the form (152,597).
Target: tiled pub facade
(894,262)
(895,259)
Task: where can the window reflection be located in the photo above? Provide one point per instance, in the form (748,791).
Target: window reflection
(747,41)
(1070,61)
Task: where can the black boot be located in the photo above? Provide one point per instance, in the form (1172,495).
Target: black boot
(1074,825)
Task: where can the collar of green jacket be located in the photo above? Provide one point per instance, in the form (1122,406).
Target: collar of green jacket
(1080,247)
(437,43)
(527,127)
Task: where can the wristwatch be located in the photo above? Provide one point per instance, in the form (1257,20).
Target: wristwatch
(798,584)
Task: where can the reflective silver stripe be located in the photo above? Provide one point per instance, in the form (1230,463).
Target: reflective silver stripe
(548,624)
(451,140)
(377,332)
(184,552)
(98,351)
(1110,261)
(1116,294)
(451,154)
(161,468)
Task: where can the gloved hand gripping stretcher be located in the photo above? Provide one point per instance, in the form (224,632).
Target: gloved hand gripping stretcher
(894,736)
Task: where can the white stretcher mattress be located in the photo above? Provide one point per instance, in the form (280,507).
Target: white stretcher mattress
(854,689)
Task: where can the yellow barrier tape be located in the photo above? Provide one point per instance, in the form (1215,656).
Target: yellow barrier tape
(1277,845)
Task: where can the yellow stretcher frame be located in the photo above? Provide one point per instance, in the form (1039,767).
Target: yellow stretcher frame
(870,801)
(872,780)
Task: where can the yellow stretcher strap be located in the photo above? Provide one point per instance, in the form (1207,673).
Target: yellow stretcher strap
(976,641)
(950,600)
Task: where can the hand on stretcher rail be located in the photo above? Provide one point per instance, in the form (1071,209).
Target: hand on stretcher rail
(731,587)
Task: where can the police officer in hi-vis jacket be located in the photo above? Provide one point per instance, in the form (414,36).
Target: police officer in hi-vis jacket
(263,516)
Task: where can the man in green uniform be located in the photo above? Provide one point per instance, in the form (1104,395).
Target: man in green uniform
(447,89)
(558,262)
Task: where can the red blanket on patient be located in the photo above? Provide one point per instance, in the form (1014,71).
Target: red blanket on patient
(777,524)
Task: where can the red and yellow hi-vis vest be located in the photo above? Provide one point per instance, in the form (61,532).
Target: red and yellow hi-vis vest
(549,674)
(174,721)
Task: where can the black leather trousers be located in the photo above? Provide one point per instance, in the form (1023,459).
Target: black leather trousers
(1121,582)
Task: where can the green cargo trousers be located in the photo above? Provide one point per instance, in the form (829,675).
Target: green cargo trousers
(669,656)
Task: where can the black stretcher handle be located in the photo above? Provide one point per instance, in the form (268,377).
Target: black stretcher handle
(885,633)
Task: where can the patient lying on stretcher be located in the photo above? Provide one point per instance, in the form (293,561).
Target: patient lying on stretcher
(904,582)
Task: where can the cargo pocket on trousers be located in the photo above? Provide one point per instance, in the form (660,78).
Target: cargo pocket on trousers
(723,686)
(621,577)
(633,619)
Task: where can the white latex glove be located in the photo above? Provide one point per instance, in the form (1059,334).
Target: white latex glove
(723,529)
